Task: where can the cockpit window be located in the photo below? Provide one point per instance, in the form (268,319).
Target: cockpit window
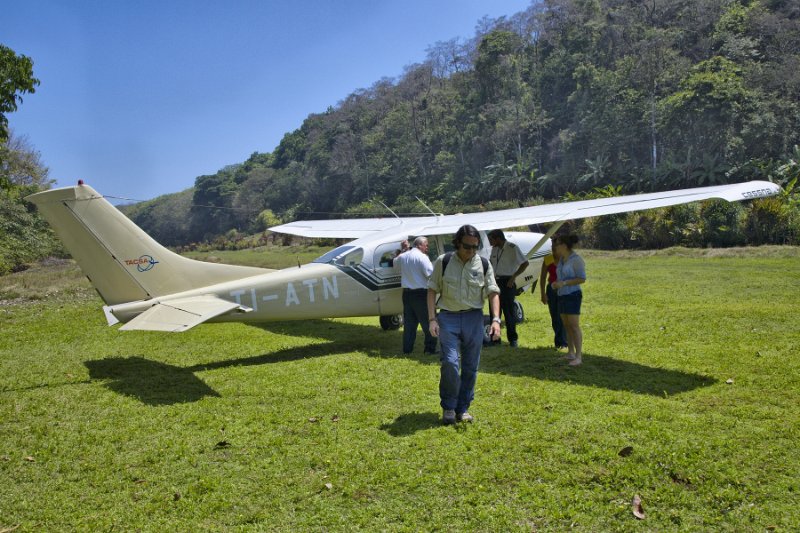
(385,254)
(343,255)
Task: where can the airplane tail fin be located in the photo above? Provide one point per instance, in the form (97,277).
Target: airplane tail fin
(122,262)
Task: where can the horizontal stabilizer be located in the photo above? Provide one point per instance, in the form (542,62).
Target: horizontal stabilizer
(181,314)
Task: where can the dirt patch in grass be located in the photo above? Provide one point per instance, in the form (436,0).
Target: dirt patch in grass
(50,279)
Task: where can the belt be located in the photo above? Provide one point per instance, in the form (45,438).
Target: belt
(459,312)
(414,290)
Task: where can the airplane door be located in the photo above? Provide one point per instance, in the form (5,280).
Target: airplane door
(391,300)
(387,278)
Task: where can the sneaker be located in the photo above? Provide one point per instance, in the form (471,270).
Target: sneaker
(464,417)
(513,344)
(448,416)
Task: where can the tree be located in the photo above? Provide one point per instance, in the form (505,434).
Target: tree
(16,79)
(21,164)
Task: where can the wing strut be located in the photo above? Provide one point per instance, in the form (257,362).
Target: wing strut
(550,232)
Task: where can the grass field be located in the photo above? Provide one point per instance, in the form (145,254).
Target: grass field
(690,364)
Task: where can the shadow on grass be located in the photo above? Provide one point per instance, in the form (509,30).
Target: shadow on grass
(410,423)
(156,383)
(150,382)
(597,370)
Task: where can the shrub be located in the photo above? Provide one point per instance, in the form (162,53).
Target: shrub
(721,223)
(770,221)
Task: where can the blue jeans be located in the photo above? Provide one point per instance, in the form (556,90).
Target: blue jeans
(459,333)
(415,313)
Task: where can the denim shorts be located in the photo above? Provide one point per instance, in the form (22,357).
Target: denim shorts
(570,304)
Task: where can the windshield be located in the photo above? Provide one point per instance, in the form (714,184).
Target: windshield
(343,255)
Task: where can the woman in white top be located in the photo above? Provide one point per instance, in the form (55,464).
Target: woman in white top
(571,274)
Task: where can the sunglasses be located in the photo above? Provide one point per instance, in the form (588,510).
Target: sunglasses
(470,246)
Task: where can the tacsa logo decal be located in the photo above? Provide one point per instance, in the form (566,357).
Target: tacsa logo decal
(143,264)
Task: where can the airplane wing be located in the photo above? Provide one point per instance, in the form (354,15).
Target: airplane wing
(347,228)
(181,314)
(524,216)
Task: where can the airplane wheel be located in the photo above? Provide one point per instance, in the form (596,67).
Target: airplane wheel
(519,312)
(390,322)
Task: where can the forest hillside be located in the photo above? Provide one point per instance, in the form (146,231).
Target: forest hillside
(567,99)
(563,98)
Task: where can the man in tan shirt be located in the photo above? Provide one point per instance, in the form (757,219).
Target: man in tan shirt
(463,280)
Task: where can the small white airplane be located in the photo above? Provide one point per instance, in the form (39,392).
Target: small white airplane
(148,287)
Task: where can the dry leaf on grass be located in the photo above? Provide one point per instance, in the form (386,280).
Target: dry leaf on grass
(636,506)
(626,451)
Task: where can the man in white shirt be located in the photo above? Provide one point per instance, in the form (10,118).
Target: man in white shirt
(508,262)
(415,269)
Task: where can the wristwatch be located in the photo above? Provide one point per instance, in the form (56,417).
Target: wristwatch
(496,319)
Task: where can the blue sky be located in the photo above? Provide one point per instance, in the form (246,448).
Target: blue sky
(138,98)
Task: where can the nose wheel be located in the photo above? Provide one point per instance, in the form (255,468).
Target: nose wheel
(519,312)
(391,322)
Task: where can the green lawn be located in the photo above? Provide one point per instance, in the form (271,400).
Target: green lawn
(690,360)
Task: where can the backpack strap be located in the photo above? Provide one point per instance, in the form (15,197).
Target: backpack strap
(445,260)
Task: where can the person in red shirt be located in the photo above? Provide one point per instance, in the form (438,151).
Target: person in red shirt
(550,298)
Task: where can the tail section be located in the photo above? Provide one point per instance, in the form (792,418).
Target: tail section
(123,263)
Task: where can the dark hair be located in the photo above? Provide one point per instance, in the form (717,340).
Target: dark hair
(468,231)
(496,234)
(569,240)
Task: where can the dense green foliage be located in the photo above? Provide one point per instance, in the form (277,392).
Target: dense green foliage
(325,425)
(16,79)
(561,98)
(24,236)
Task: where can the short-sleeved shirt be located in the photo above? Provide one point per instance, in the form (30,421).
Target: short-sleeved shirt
(462,286)
(506,259)
(415,269)
(550,264)
(570,267)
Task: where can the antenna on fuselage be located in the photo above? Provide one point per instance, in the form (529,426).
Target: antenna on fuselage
(387,208)
(426,207)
